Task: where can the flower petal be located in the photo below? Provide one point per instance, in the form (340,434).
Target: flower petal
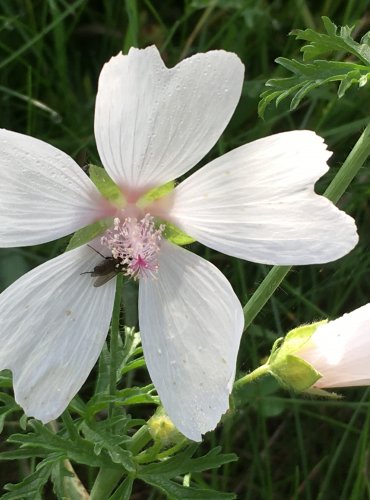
(152,123)
(258,203)
(191,323)
(53,326)
(44,194)
(340,350)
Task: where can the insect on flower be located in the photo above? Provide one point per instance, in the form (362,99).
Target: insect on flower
(106,270)
(257,202)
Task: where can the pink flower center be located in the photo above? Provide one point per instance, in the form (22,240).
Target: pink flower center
(135,245)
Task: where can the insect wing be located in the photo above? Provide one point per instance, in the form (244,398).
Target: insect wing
(105,267)
(104,278)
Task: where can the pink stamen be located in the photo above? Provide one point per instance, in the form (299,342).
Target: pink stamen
(135,244)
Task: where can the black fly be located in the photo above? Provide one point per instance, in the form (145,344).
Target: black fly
(105,271)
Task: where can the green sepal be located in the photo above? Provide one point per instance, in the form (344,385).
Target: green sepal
(106,186)
(157,192)
(275,348)
(296,338)
(171,232)
(321,393)
(88,233)
(291,370)
(175,235)
(295,373)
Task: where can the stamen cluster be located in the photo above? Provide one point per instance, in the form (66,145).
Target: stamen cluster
(135,245)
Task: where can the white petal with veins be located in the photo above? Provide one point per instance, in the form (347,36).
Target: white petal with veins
(44,194)
(258,203)
(152,124)
(191,323)
(53,326)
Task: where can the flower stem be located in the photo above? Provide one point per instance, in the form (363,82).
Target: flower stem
(140,439)
(250,377)
(114,340)
(265,290)
(105,481)
(335,190)
(350,167)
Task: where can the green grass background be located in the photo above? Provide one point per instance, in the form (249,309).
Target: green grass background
(51,53)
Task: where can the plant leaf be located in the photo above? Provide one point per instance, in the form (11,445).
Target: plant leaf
(308,76)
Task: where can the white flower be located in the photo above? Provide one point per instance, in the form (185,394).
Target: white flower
(340,350)
(153,124)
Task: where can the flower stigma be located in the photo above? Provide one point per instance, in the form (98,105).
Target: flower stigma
(135,245)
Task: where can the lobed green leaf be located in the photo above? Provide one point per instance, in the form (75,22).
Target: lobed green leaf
(176,491)
(308,76)
(111,443)
(336,39)
(183,463)
(31,486)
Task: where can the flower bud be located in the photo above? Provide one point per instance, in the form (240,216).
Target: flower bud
(162,429)
(287,366)
(340,350)
(324,354)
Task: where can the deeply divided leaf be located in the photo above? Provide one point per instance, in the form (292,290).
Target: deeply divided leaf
(313,73)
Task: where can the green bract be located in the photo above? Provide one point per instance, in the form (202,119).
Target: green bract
(88,233)
(156,193)
(175,235)
(112,193)
(106,186)
(291,370)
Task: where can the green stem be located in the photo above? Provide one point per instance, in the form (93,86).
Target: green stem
(336,189)
(114,339)
(104,483)
(350,167)
(140,439)
(250,377)
(174,449)
(107,478)
(130,304)
(265,290)
(154,453)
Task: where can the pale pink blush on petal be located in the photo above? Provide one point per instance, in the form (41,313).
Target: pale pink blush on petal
(44,194)
(340,350)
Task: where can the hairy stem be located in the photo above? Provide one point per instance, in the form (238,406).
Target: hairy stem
(250,377)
